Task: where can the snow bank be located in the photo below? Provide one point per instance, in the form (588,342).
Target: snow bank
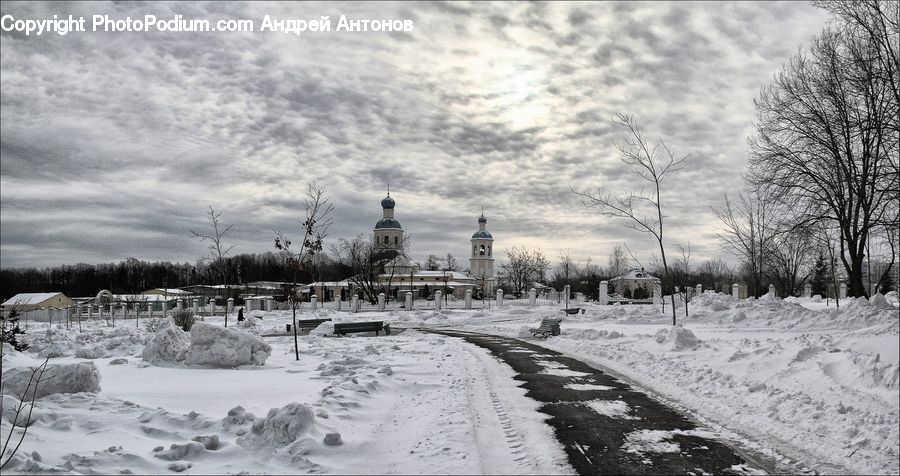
(168,347)
(58,378)
(289,433)
(225,347)
(207,344)
(677,338)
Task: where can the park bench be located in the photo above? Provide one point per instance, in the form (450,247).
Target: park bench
(573,310)
(309,324)
(547,328)
(368,326)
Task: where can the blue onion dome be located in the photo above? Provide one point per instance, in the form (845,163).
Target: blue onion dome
(485,235)
(388,202)
(482,219)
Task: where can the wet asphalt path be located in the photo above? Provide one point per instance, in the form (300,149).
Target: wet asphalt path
(608,444)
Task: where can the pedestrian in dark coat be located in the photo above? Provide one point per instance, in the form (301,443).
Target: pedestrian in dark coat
(241,315)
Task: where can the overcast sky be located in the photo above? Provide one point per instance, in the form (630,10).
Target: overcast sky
(113,144)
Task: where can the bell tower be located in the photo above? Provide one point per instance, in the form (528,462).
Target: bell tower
(481,263)
(388,232)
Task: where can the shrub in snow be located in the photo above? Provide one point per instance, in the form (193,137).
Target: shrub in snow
(184,319)
(225,347)
(59,378)
(168,347)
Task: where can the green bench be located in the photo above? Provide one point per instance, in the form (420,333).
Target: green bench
(368,326)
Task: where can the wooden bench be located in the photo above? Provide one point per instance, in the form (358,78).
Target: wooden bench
(309,324)
(547,328)
(368,326)
(573,310)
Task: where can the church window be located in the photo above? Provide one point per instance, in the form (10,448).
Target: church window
(396,240)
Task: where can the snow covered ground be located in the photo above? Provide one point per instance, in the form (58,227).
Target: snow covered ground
(810,386)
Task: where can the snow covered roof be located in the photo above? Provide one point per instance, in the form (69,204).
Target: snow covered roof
(448,274)
(636,274)
(27,299)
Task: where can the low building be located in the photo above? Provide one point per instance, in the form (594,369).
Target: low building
(635,284)
(31,301)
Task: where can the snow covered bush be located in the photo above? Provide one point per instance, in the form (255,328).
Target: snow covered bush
(59,378)
(153,325)
(677,338)
(225,347)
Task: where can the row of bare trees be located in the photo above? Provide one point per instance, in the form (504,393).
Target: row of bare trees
(824,155)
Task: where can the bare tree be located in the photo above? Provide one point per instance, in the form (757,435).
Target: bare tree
(748,228)
(217,249)
(368,261)
(450,263)
(827,140)
(715,274)
(618,261)
(522,267)
(790,260)
(318,219)
(642,210)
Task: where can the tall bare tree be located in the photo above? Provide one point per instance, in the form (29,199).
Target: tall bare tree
(216,246)
(319,215)
(618,261)
(641,210)
(827,137)
(748,228)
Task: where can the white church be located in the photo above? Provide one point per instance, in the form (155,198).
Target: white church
(402,275)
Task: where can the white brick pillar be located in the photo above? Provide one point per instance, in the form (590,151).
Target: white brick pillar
(270,304)
(354,303)
(807,290)
(212,306)
(532,297)
(409,300)
(772,293)
(437,299)
(337,300)
(603,296)
(736,290)
(313,300)
(843,291)
(229,307)
(196,306)
(381,301)
(699,289)
(499,297)
(468,299)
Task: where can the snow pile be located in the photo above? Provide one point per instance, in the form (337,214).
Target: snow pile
(118,342)
(58,378)
(878,301)
(207,344)
(290,434)
(874,374)
(249,325)
(224,347)
(52,343)
(677,338)
(168,347)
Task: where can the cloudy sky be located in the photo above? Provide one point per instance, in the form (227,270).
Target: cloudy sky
(112,145)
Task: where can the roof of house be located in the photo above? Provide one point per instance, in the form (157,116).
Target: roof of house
(636,274)
(26,299)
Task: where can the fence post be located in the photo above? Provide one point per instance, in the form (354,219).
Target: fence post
(381,301)
(354,303)
(437,299)
(736,290)
(337,300)
(807,290)
(772,293)
(468,299)
(843,291)
(312,300)
(196,306)
(499,297)
(229,307)
(532,297)
(603,296)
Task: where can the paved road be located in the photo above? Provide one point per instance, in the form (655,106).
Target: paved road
(619,442)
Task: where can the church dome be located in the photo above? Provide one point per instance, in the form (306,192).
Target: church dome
(388,222)
(482,234)
(387,202)
(482,219)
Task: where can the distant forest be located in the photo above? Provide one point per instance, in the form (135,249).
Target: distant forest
(134,276)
